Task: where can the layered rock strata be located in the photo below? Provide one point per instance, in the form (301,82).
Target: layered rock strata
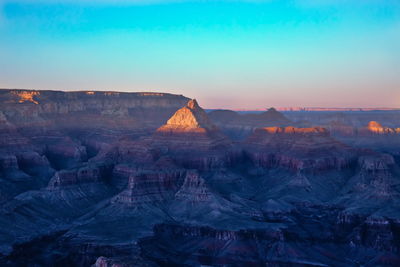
(297,149)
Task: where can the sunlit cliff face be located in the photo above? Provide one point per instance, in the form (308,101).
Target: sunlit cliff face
(376,127)
(26,96)
(191,118)
(90,93)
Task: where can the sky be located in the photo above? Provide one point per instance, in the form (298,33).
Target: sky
(247,54)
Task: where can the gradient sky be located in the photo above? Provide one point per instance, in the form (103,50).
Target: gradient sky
(227,54)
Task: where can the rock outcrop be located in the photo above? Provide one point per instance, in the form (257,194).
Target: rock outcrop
(86,174)
(373,136)
(271,117)
(191,139)
(375,127)
(118,110)
(189,119)
(193,189)
(150,187)
(239,126)
(297,149)
(65,153)
(372,190)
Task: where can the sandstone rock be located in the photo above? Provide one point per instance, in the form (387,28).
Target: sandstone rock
(135,152)
(10,138)
(272,116)
(121,174)
(297,149)
(191,139)
(94,108)
(238,126)
(375,128)
(285,196)
(150,187)
(65,153)
(188,140)
(193,189)
(30,160)
(376,162)
(87,174)
(338,128)
(373,188)
(191,118)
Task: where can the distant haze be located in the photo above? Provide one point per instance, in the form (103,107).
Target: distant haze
(227,54)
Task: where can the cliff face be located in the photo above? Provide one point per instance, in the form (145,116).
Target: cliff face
(192,139)
(372,135)
(85,109)
(298,148)
(150,188)
(46,131)
(190,118)
(375,127)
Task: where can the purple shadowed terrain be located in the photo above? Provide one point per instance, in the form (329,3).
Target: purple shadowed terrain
(149,179)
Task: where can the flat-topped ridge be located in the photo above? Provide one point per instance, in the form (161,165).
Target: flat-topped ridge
(24,96)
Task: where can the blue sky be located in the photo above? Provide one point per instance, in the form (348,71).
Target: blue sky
(229,54)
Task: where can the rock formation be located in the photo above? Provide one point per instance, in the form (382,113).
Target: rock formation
(193,189)
(150,187)
(87,174)
(373,136)
(189,119)
(238,126)
(190,130)
(31,108)
(376,128)
(148,179)
(297,148)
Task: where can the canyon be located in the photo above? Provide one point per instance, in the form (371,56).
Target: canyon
(93,178)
